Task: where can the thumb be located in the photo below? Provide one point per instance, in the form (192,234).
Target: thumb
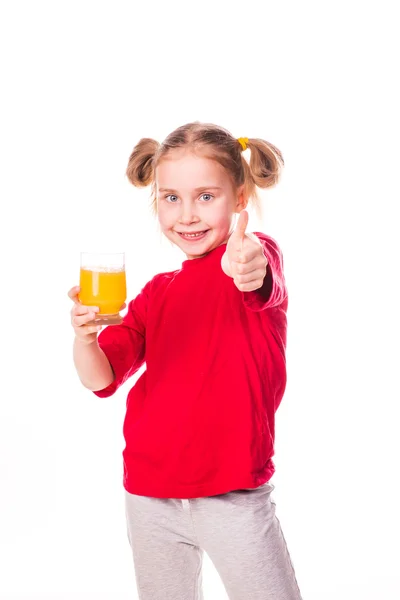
(241,225)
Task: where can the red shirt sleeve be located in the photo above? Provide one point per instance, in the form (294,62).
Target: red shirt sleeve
(124,345)
(273,291)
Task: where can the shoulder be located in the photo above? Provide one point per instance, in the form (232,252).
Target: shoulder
(152,289)
(159,281)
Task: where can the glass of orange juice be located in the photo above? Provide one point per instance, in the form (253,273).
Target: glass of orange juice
(103,284)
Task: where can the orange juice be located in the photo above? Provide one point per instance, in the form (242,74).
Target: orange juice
(103,288)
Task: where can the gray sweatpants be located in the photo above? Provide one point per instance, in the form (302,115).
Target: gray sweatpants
(239,531)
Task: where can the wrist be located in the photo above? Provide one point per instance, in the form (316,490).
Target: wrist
(82,342)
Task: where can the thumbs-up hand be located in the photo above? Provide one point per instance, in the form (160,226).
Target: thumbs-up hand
(244,259)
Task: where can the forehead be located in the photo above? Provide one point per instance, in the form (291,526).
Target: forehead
(188,170)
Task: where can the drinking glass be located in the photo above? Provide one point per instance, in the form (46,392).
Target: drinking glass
(103,284)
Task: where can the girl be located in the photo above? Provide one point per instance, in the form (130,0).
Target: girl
(199,426)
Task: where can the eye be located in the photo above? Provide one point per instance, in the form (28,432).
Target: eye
(171,198)
(206,197)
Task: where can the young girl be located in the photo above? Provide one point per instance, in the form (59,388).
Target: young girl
(199,426)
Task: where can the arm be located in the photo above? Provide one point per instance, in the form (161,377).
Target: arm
(92,365)
(124,346)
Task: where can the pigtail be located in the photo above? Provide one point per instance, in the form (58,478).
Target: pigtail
(140,169)
(266,163)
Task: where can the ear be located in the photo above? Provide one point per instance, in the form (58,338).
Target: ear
(242,199)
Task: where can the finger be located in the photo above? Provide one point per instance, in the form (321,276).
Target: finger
(73,294)
(241,226)
(86,330)
(258,274)
(81,309)
(252,248)
(80,320)
(247,265)
(251,286)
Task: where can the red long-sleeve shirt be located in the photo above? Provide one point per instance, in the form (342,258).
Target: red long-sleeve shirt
(200,419)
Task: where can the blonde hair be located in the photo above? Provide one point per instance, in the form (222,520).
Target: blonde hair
(262,171)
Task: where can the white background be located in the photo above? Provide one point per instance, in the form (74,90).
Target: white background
(82,81)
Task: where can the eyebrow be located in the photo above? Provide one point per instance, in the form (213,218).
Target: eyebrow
(199,189)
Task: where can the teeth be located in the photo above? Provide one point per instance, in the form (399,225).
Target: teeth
(192,234)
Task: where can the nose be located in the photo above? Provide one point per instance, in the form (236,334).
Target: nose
(188,216)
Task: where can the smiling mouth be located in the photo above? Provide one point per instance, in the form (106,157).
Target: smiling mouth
(192,236)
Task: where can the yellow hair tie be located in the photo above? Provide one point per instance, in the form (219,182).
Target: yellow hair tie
(243,142)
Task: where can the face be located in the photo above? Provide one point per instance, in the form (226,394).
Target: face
(196,202)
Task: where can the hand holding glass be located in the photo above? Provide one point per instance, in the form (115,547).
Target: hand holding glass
(103,284)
